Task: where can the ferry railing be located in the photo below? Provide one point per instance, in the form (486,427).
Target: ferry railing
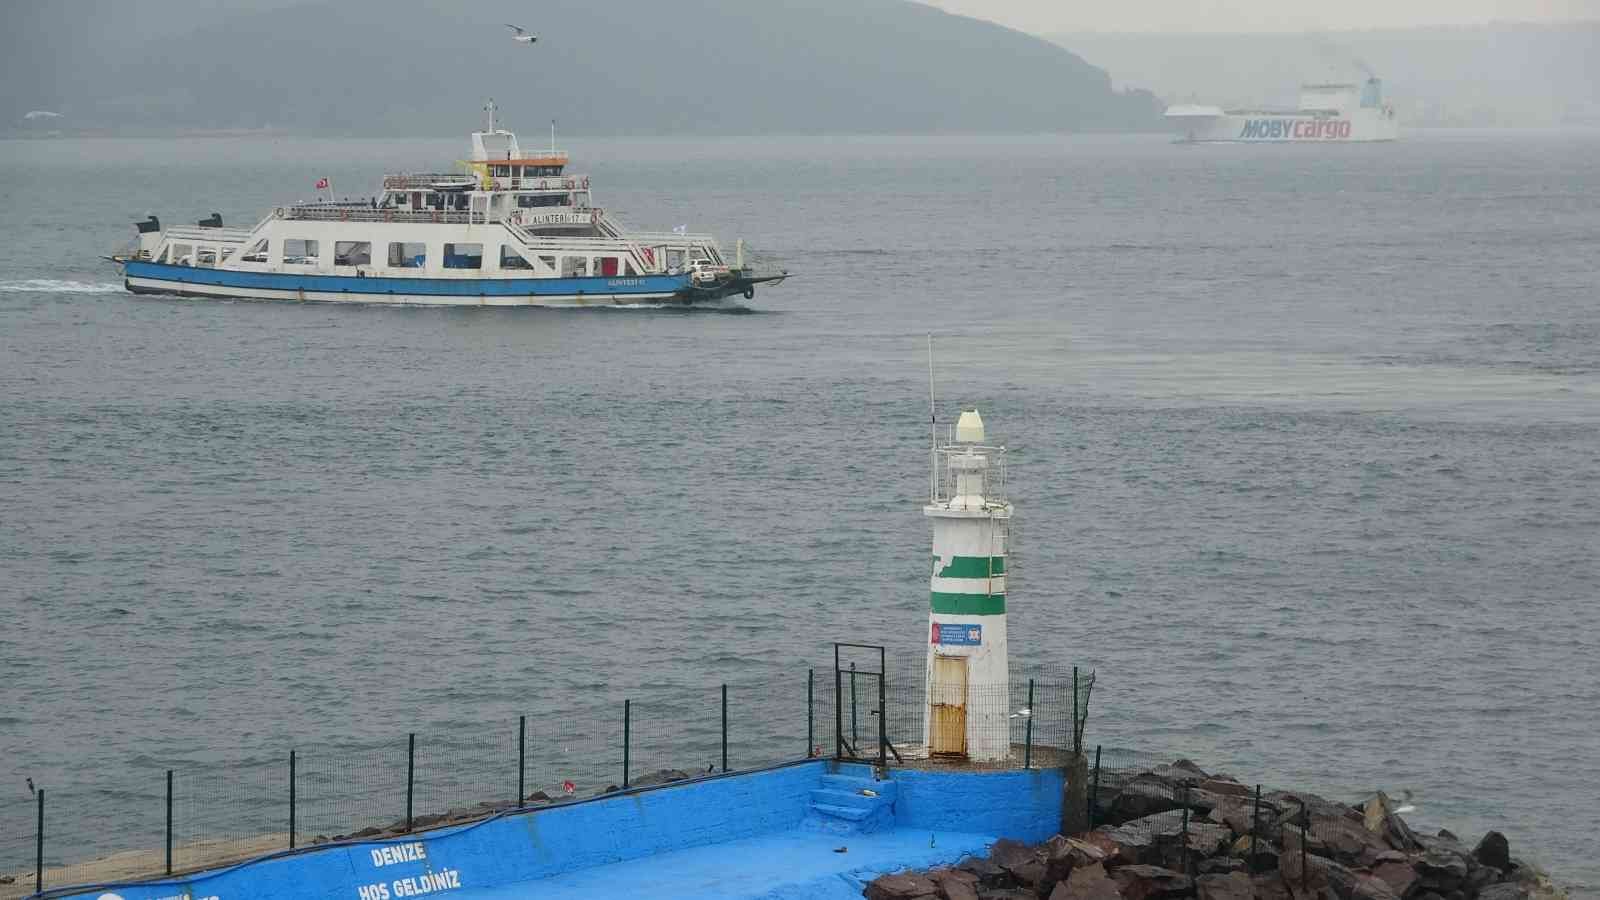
(426,182)
(333,213)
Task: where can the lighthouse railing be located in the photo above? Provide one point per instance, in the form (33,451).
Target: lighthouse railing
(994,478)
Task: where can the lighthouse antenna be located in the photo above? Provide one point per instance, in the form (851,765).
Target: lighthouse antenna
(933,432)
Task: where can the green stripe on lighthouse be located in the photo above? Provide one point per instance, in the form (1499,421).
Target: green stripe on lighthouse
(973,567)
(969,604)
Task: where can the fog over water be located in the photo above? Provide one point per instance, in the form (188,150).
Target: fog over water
(1304,455)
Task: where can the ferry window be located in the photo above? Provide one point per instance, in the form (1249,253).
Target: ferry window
(574,266)
(502,171)
(549,263)
(206,259)
(408,256)
(463,256)
(183,254)
(352,253)
(511,259)
(257,253)
(300,252)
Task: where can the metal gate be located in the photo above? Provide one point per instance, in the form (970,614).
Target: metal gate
(858,708)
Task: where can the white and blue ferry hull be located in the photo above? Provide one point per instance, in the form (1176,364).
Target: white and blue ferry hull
(186,281)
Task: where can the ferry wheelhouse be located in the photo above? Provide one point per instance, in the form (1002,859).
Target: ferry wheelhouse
(512,228)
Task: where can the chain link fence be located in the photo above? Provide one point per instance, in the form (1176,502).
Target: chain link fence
(202,816)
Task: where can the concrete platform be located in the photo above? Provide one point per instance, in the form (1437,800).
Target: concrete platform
(794,865)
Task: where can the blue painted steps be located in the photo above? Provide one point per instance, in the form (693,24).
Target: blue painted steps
(840,807)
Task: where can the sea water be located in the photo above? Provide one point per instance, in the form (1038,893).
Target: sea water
(1305,446)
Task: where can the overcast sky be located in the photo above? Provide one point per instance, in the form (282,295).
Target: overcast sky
(1050,16)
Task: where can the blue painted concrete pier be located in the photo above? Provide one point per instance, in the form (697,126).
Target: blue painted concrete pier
(813,829)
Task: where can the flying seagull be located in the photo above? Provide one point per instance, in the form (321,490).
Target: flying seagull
(522,34)
(1022,713)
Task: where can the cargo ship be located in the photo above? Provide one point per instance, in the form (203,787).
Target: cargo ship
(1328,113)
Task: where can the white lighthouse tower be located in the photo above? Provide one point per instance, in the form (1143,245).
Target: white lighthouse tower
(968,682)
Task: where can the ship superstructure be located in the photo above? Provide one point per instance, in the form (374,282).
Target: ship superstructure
(1328,113)
(511,227)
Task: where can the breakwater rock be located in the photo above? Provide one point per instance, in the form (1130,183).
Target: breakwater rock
(1175,831)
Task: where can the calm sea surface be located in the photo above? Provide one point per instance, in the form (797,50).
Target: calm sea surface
(1306,453)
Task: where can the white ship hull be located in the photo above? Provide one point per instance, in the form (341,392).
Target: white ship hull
(1328,114)
(1283,128)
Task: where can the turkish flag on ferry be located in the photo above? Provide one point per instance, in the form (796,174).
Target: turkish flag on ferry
(322,184)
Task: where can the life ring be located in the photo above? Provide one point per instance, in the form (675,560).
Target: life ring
(750,292)
(544,184)
(586,182)
(388,215)
(568,183)
(516,217)
(594,217)
(344,215)
(438,216)
(278,213)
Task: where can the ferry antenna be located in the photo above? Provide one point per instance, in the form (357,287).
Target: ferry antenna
(933,432)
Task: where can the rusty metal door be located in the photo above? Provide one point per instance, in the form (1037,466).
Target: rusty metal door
(947,731)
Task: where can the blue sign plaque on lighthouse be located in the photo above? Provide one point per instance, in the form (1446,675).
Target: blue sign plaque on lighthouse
(968,680)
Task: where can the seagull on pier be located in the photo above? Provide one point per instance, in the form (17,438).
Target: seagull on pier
(30,787)
(521,36)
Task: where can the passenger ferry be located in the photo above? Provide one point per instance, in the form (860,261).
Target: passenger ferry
(512,228)
(1328,113)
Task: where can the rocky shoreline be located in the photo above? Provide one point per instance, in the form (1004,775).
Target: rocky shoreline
(1174,831)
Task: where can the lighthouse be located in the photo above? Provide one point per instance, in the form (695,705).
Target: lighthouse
(968,682)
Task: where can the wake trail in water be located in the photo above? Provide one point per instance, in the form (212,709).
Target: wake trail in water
(59,286)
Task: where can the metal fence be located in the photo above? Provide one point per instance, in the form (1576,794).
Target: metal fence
(1165,811)
(193,817)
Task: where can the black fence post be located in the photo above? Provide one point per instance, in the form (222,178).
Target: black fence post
(522,760)
(1184,845)
(1304,819)
(855,732)
(291,799)
(1094,787)
(883,717)
(1077,736)
(1027,746)
(1255,827)
(627,737)
(724,727)
(838,709)
(38,847)
(411,775)
(169,821)
(811,712)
